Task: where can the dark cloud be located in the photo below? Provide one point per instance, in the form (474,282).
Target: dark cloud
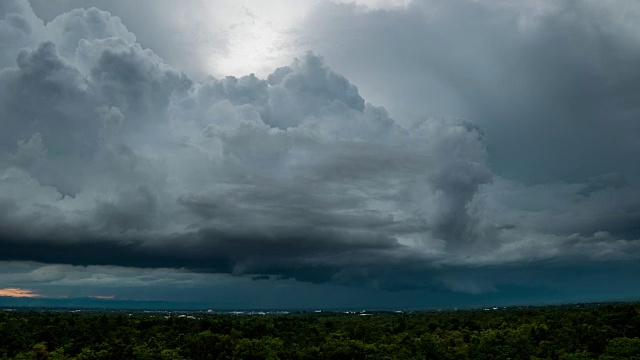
(552,84)
(19,27)
(109,156)
(132,79)
(45,94)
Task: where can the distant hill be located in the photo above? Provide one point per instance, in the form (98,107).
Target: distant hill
(97,304)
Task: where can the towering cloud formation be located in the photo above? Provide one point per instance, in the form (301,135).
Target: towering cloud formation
(109,156)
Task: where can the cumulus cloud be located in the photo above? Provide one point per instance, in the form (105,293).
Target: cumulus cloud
(19,27)
(554,76)
(202,37)
(111,157)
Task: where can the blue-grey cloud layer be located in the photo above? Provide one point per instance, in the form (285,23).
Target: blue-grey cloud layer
(109,156)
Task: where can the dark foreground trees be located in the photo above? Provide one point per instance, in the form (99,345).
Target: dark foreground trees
(571,332)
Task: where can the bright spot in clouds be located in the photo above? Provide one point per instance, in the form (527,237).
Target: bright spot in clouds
(261,36)
(377,4)
(258,35)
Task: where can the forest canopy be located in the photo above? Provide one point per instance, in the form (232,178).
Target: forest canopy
(570,332)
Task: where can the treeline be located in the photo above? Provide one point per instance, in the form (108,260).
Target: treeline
(577,332)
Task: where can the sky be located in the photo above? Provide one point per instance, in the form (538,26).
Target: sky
(320,154)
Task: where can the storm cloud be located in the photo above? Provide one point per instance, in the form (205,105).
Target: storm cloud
(522,156)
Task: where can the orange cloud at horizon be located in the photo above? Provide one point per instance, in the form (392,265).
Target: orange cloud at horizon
(17,292)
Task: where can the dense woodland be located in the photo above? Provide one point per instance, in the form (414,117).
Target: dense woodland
(569,332)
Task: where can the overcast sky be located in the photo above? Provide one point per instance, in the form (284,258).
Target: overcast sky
(376,153)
